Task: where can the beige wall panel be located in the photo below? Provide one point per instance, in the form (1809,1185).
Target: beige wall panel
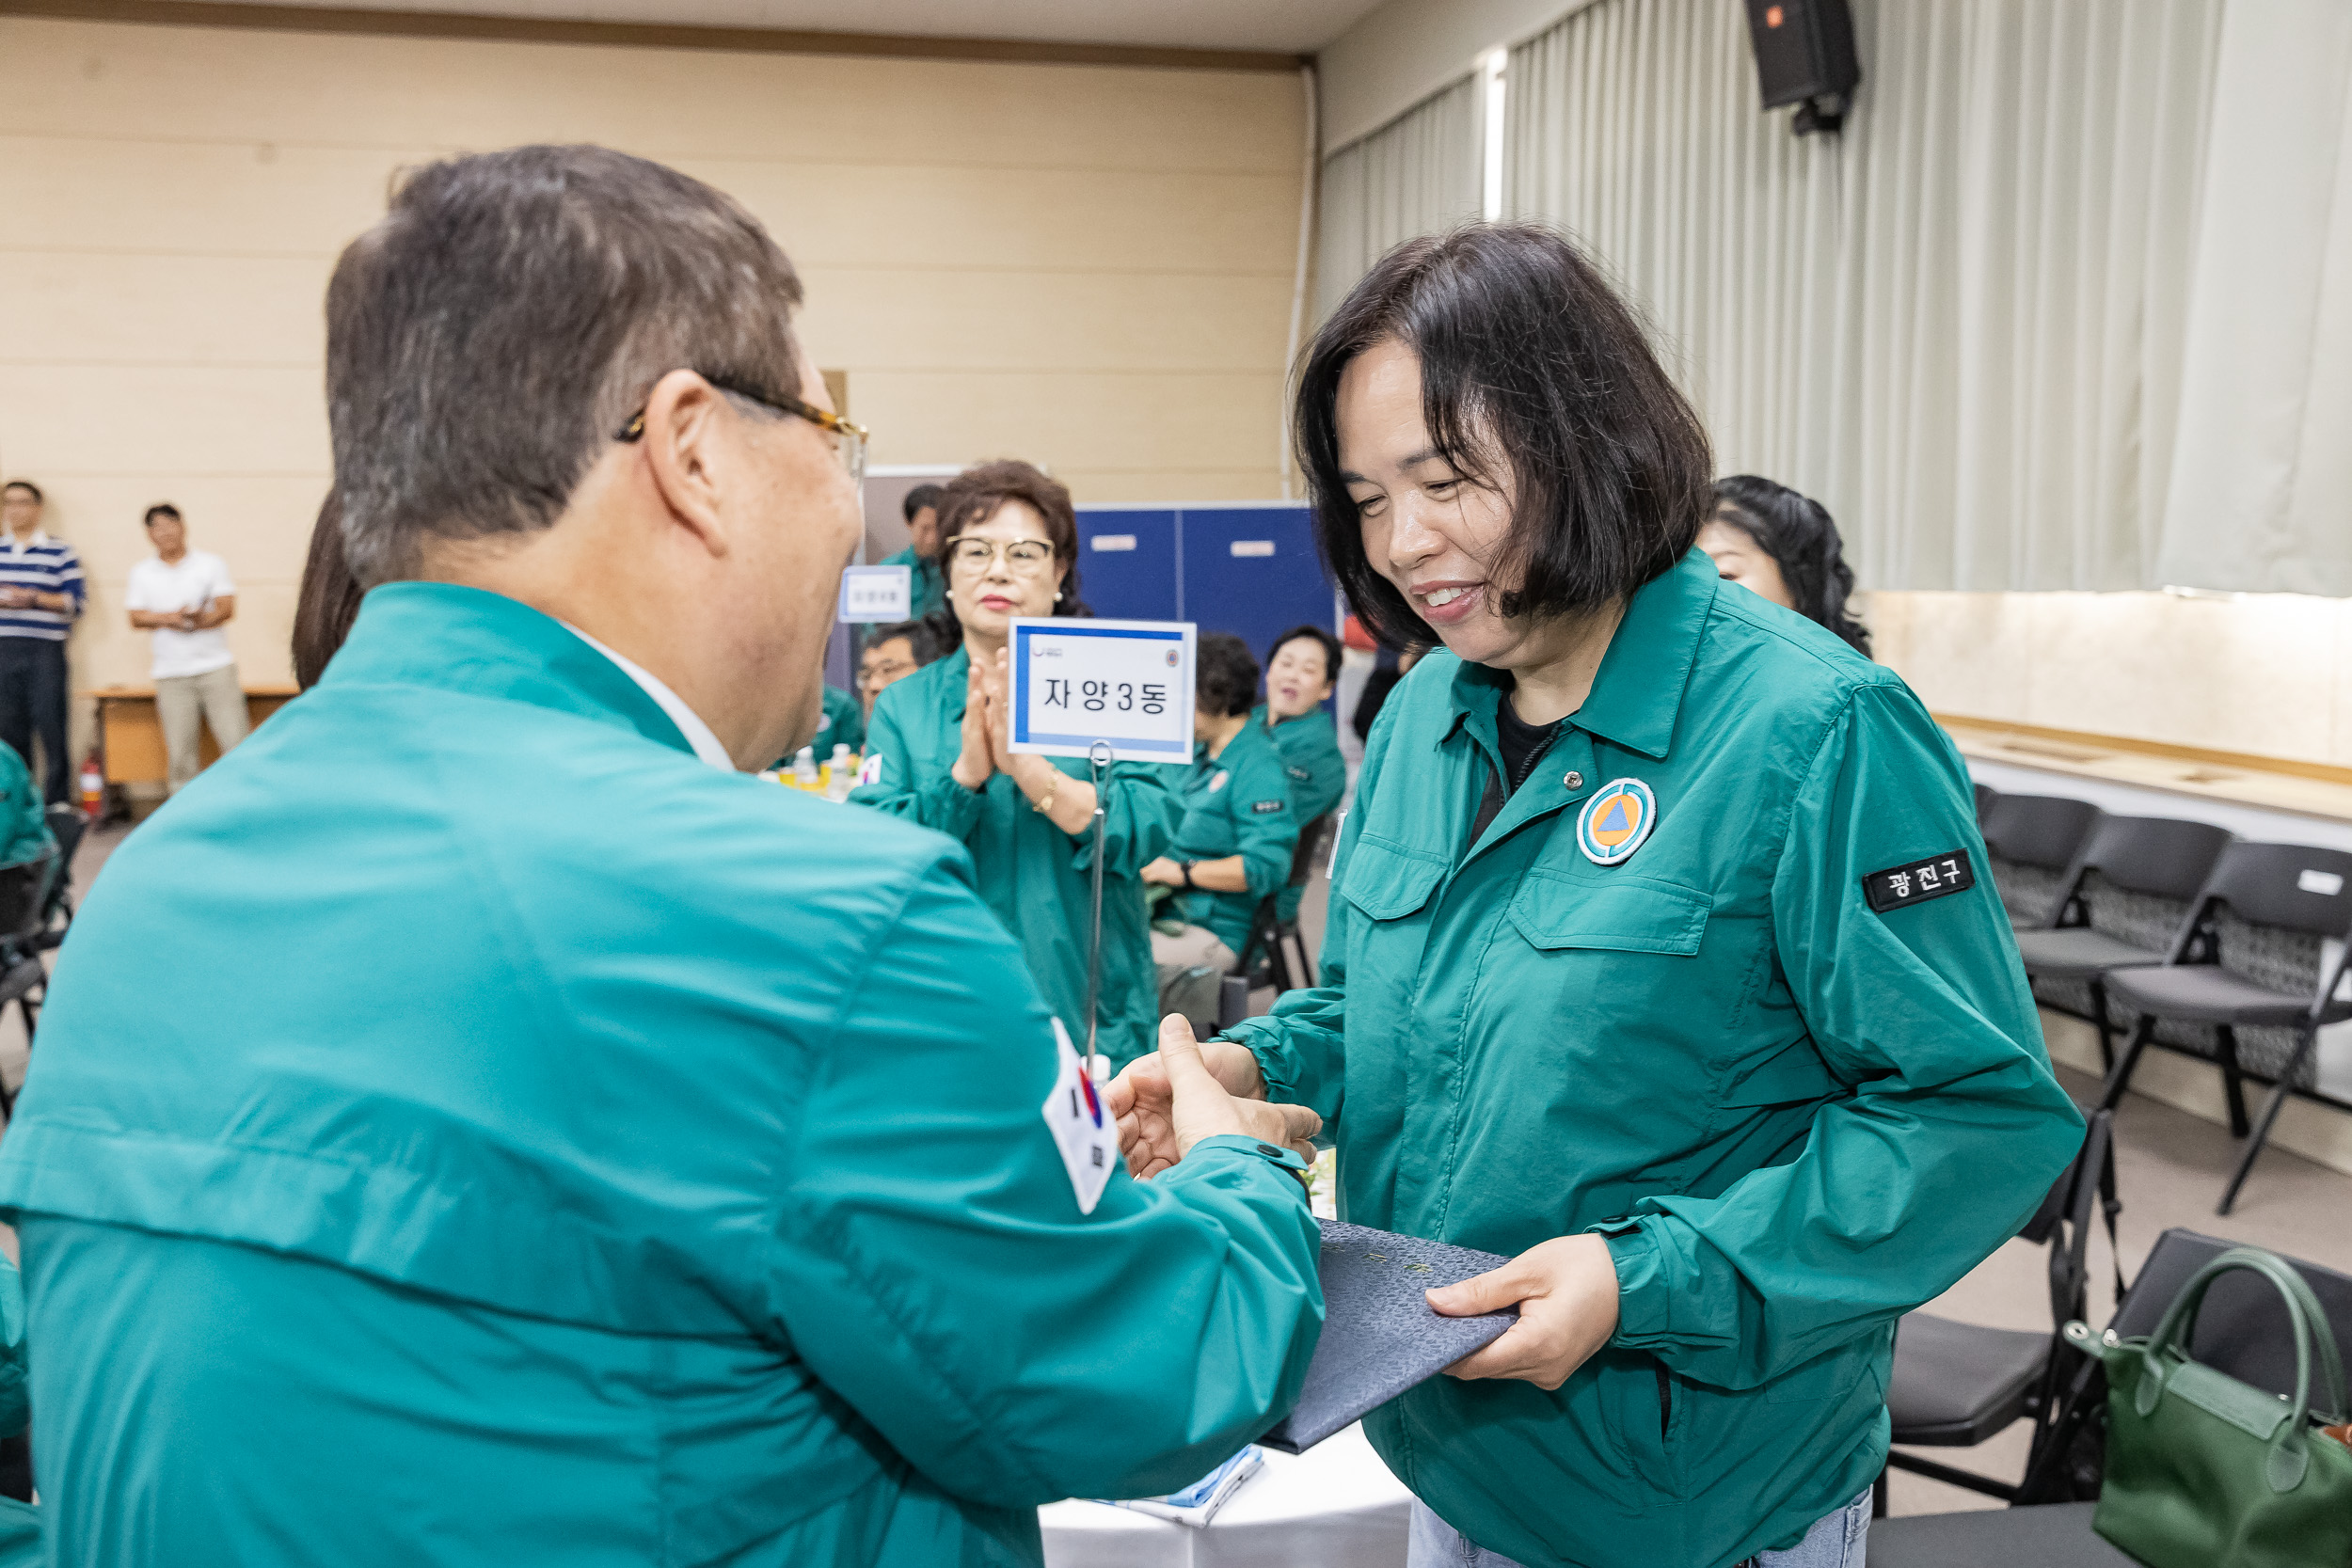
(1088,266)
(1160,423)
(2253,674)
(1096,487)
(178,196)
(1963,653)
(85,308)
(260,526)
(166,421)
(1077,220)
(97,81)
(890,320)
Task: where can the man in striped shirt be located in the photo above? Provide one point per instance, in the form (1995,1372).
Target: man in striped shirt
(41,596)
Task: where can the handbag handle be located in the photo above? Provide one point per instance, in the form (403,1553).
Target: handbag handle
(2289,1452)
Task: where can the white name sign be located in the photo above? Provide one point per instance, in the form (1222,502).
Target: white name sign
(1126,682)
(878,593)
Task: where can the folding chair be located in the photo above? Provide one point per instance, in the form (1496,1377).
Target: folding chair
(66,825)
(24,905)
(2242,1329)
(2265,914)
(1268,931)
(2125,901)
(1958,1385)
(2033,840)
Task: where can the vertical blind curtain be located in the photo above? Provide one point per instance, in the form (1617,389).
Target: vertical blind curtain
(1960,323)
(1415,175)
(2262,472)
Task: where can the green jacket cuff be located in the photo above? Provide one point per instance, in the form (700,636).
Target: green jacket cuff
(1277,1160)
(1643,1291)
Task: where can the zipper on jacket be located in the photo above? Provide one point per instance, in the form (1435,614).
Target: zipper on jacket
(1665,1402)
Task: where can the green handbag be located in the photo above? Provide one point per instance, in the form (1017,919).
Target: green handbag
(2205,1470)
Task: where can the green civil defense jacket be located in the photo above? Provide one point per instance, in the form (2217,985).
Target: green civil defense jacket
(1756,1018)
(23,825)
(470,1131)
(1310,745)
(1038,880)
(1237,803)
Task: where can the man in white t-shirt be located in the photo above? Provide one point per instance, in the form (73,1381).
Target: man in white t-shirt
(184,597)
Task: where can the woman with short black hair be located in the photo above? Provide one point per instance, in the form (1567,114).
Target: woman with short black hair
(1784,546)
(1657,957)
(1300,667)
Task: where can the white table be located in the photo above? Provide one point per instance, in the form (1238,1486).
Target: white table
(1335,1506)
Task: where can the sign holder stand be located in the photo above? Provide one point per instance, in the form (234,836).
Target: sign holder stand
(1099,759)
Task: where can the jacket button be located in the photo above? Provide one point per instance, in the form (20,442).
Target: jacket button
(1269,1151)
(1574,780)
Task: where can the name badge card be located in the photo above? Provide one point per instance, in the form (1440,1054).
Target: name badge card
(1126,682)
(876,593)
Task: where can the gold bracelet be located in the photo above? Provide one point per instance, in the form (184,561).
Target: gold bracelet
(1047,806)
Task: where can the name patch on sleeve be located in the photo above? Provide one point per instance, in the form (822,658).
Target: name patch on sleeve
(1937,877)
(1262,807)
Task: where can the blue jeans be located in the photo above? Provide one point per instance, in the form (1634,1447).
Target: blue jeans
(1835,1540)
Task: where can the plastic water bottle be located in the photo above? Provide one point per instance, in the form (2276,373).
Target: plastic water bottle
(804,768)
(839,775)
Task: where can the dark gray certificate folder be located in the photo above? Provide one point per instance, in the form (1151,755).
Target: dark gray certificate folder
(1379,1336)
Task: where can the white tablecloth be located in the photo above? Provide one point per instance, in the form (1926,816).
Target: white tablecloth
(1335,1506)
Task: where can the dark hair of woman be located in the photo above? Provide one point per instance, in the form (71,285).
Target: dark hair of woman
(1538,381)
(1798,532)
(328,599)
(1328,643)
(973,497)
(1225,675)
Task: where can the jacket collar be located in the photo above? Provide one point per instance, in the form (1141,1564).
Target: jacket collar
(483,644)
(955,682)
(1637,692)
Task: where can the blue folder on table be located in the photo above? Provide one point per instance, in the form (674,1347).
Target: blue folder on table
(1379,1336)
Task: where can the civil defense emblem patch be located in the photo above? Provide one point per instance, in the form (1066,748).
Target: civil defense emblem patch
(1616,821)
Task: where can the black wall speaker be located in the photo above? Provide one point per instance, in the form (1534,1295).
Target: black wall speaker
(1804,56)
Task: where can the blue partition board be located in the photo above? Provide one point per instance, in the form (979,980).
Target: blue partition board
(1127,564)
(1252,570)
(1249,568)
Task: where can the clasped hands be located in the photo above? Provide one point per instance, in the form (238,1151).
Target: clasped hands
(1565,1288)
(987,738)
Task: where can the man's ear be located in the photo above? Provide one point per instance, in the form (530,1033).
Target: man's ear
(685,427)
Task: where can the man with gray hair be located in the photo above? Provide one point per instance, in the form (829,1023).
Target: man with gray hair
(621,1163)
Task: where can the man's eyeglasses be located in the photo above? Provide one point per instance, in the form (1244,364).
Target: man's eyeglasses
(887,671)
(1025,556)
(849,439)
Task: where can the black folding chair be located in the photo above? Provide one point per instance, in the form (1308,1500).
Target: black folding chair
(2242,1329)
(1958,1385)
(1268,931)
(2262,918)
(66,825)
(24,905)
(2125,901)
(2033,840)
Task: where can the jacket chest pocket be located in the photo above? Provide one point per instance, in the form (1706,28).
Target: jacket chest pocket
(1387,882)
(1611,914)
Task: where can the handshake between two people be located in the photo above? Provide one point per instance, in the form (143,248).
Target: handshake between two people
(1565,1288)
(1186,1091)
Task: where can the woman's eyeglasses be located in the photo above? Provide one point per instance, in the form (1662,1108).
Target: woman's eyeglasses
(849,440)
(1025,556)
